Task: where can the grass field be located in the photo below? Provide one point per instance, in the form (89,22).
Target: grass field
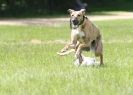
(33,68)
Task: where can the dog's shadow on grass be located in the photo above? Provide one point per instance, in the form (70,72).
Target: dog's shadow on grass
(100,66)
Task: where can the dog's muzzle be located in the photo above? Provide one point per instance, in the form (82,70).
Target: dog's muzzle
(75,22)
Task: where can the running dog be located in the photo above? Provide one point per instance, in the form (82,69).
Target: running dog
(84,36)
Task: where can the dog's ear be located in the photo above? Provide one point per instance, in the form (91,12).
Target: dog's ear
(70,11)
(83,11)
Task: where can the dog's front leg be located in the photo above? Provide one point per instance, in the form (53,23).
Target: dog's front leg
(79,51)
(72,44)
(67,47)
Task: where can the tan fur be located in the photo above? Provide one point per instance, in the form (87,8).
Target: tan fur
(83,35)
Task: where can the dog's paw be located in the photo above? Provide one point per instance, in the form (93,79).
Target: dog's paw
(60,53)
(65,52)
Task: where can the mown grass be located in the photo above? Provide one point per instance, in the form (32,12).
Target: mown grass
(35,69)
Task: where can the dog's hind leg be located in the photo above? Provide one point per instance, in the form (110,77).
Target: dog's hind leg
(99,51)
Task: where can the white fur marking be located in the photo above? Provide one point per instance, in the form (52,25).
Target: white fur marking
(78,32)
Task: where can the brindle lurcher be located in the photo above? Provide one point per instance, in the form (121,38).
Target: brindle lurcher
(84,35)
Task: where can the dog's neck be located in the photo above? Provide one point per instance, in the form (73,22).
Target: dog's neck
(81,24)
(82,21)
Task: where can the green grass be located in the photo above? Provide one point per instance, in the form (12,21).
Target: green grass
(35,69)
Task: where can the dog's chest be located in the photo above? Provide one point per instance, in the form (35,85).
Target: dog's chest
(79,34)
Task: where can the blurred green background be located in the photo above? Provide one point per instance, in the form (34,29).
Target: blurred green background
(16,8)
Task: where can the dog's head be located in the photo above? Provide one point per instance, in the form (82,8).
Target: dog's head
(76,17)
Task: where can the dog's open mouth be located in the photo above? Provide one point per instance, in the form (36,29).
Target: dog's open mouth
(75,22)
(75,26)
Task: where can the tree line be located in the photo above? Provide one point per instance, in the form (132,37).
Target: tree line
(18,7)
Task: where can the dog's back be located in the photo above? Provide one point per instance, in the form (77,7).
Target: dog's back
(91,31)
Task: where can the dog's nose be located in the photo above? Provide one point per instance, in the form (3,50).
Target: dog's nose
(75,22)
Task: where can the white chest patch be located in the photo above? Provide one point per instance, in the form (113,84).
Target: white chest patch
(77,32)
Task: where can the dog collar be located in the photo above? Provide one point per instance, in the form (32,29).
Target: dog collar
(82,21)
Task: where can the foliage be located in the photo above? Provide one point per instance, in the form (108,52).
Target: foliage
(20,7)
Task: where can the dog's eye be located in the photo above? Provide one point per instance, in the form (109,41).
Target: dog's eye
(78,15)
